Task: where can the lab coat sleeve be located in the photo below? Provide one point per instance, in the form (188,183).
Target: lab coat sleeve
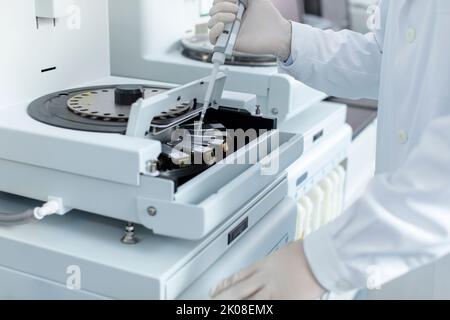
(345,64)
(402,222)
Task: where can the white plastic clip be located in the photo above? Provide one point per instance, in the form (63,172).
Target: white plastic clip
(48,209)
(53,206)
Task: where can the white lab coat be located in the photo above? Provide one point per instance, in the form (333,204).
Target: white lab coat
(403,220)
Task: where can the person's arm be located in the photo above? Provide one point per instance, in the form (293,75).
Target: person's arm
(344,64)
(402,222)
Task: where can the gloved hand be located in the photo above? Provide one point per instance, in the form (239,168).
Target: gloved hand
(263,30)
(285,275)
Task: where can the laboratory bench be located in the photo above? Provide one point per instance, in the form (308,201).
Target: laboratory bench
(360,114)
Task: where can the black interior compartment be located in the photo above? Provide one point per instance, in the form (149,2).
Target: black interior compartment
(229,118)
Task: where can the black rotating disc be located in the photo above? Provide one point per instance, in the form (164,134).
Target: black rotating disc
(60,109)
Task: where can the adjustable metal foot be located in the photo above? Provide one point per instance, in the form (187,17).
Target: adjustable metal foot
(130,235)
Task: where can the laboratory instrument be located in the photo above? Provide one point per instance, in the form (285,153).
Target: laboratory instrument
(102,143)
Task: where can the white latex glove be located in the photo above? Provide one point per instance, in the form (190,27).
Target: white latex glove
(285,275)
(263,30)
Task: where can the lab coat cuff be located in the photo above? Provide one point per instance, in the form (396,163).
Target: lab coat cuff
(302,40)
(325,263)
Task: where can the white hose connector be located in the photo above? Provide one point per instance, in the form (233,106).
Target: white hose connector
(50,208)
